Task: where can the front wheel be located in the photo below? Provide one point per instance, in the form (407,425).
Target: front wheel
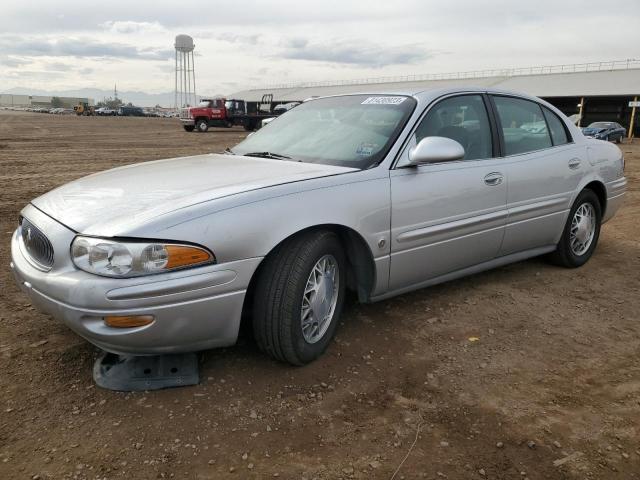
(299,296)
(189,128)
(581,232)
(202,125)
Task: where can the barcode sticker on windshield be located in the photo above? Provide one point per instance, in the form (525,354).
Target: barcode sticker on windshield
(384,101)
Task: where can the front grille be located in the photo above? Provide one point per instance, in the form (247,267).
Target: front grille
(36,244)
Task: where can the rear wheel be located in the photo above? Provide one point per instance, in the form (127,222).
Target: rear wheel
(202,125)
(189,128)
(299,297)
(619,139)
(581,232)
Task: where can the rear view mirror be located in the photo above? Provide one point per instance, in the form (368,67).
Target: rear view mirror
(435,150)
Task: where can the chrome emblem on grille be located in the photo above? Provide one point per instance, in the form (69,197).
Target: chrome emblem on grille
(37,246)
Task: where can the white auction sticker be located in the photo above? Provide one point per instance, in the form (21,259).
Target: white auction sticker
(384,101)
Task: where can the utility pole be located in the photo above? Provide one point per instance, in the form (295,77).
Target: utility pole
(580,112)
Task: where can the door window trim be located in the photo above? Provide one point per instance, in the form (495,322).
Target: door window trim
(495,148)
(501,133)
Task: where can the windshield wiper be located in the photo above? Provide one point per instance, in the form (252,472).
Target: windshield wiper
(267,155)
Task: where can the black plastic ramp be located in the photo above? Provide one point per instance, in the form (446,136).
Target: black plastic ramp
(134,373)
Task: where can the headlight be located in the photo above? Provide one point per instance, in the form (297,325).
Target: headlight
(132,258)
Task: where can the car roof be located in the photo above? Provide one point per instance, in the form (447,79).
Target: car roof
(421,94)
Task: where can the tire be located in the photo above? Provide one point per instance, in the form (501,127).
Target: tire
(619,139)
(189,128)
(202,125)
(572,257)
(279,298)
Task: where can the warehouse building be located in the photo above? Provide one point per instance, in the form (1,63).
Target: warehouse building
(39,101)
(597,91)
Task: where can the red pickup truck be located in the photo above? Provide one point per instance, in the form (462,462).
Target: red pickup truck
(220,112)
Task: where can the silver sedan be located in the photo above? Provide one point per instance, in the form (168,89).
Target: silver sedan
(379,193)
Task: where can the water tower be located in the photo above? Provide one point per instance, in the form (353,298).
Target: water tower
(185,91)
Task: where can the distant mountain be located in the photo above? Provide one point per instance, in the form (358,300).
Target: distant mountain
(140,99)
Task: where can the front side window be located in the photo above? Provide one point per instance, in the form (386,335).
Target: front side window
(556,127)
(523,126)
(351,131)
(463,119)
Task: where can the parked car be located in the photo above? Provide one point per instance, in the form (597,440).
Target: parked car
(609,131)
(106,112)
(131,112)
(377,193)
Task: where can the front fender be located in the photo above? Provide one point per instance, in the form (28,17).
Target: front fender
(252,227)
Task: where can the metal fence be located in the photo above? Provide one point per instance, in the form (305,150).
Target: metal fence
(501,72)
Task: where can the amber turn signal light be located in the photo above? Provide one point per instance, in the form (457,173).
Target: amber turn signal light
(181,256)
(128,321)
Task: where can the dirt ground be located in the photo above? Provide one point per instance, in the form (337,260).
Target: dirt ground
(549,390)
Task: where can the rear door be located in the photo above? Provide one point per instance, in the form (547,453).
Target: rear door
(544,170)
(450,215)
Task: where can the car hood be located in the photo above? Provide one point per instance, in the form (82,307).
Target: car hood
(111,200)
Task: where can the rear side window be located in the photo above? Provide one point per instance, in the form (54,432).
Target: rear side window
(556,127)
(463,119)
(523,125)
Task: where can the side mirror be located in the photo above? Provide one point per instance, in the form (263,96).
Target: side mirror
(435,150)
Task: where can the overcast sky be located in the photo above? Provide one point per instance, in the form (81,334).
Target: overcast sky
(62,44)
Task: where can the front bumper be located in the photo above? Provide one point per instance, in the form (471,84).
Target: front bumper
(188,121)
(194,309)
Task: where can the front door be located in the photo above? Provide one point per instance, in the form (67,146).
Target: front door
(451,215)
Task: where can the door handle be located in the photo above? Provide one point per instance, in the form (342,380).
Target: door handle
(574,163)
(494,178)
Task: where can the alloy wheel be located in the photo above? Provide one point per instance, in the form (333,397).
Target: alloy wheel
(583,228)
(320,298)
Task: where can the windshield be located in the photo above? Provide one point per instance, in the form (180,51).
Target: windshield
(600,125)
(351,131)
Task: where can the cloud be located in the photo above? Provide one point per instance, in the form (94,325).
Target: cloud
(78,47)
(12,62)
(239,38)
(72,15)
(282,42)
(131,27)
(354,52)
(60,67)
